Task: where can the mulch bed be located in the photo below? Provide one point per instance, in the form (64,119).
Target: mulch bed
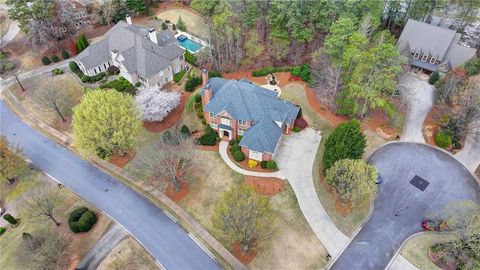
(438,262)
(121,161)
(212,148)
(177,196)
(63,126)
(244,257)
(267,186)
(170,120)
(244,164)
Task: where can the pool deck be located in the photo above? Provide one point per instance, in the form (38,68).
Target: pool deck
(193,38)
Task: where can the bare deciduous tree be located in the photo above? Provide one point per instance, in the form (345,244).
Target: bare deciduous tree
(465,118)
(449,86)
(45,250)
(175,155)
(54,100)
(39,203)
(327,79)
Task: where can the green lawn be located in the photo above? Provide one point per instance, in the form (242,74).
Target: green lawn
(296,93)
(195,23)
(66,201)
(416,249)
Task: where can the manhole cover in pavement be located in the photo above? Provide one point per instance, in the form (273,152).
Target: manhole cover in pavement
(419,182)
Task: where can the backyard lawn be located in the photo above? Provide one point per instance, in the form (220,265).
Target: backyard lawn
(195,23)
(66,201)
(416,249)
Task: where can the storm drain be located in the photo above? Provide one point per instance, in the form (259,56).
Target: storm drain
(419,182)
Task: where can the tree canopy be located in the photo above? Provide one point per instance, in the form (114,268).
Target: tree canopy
(244,217)
(345,142)
(11,160)
(353,180)
(106,122)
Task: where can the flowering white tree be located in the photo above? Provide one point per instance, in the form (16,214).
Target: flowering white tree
(155,103)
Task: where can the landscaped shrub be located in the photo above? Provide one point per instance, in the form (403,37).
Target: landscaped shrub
(185,131)
(81,220)
(443,139)
(10,66)
(232,142)
(238,156)
(181,24)
(303,72)
(263,164)
(92,79)
(296,129)
(190,58)
(204,121)
(121,85)
(138,84)
(2,230)
(209,138)
(300,123)
(235,148)
(55,58)
(192,83)
(472,66)
(164,26)
(178,77)
(272,165)
(46,61)
(57,71)
(82,43)
(434,77)
(267,70)
(73,66)
(65,55)
(113,70)
(198,99)
(10,219)
(214,73)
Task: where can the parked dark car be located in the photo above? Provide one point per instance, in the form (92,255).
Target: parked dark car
(379,179)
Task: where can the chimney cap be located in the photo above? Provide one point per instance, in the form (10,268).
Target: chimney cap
(150,30)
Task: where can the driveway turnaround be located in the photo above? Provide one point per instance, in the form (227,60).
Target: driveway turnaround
(295,156)
(419,97)
(400,205)
(167,241)
(470,154)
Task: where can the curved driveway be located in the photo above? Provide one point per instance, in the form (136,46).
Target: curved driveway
(165,239)
(399,206)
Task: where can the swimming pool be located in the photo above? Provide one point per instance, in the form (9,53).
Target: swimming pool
(188,44)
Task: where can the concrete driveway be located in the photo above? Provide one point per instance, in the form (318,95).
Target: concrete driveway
(295,156)
(399,206)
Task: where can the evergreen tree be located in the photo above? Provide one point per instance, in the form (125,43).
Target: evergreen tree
(181,24)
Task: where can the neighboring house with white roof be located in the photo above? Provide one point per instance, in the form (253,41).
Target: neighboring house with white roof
(141,54)
(241,108)
(434,48)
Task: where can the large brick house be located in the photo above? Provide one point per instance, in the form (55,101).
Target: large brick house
(242,109)
(142,54)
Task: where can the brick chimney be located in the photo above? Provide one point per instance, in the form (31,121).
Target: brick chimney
(129,19)
(207,91)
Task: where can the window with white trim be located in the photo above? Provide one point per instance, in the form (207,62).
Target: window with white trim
(433,60)
(424,58)
(416,55)
(225,121)
(213,124)
(242,122)
(212,115)
(240,131)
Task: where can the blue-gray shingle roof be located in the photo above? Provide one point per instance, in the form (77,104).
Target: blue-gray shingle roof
(243,100)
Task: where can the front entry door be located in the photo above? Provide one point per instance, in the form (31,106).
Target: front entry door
(226,133)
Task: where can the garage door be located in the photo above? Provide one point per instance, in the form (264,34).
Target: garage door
(255,155)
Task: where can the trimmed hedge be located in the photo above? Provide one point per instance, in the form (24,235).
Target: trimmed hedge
(267,70)
(121,85)
(2,230)
(92,79)
(434,77)
(178,77)
(81,220)
(263,164)
(73,67)
(214,73)
(46,61)
(210,136)
(235,148)
(190,58)
(272,165)
(10,219)
(198,98)
(192,83)
(185,131)
(472,66)
(57,71)
(65,55)
(303,72)
(238,156)
(443,139)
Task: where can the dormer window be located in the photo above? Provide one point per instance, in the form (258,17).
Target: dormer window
(433,60)
(225,121)
(416,55)
(212,115)
(424,58)
(242,122)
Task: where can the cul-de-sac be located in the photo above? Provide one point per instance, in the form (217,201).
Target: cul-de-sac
(240,134)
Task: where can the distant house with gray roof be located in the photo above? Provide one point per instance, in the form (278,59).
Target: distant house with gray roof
(141,54)
(434,48)
(241,108)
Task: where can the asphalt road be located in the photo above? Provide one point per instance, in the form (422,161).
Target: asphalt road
(400,207)
(165,239)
